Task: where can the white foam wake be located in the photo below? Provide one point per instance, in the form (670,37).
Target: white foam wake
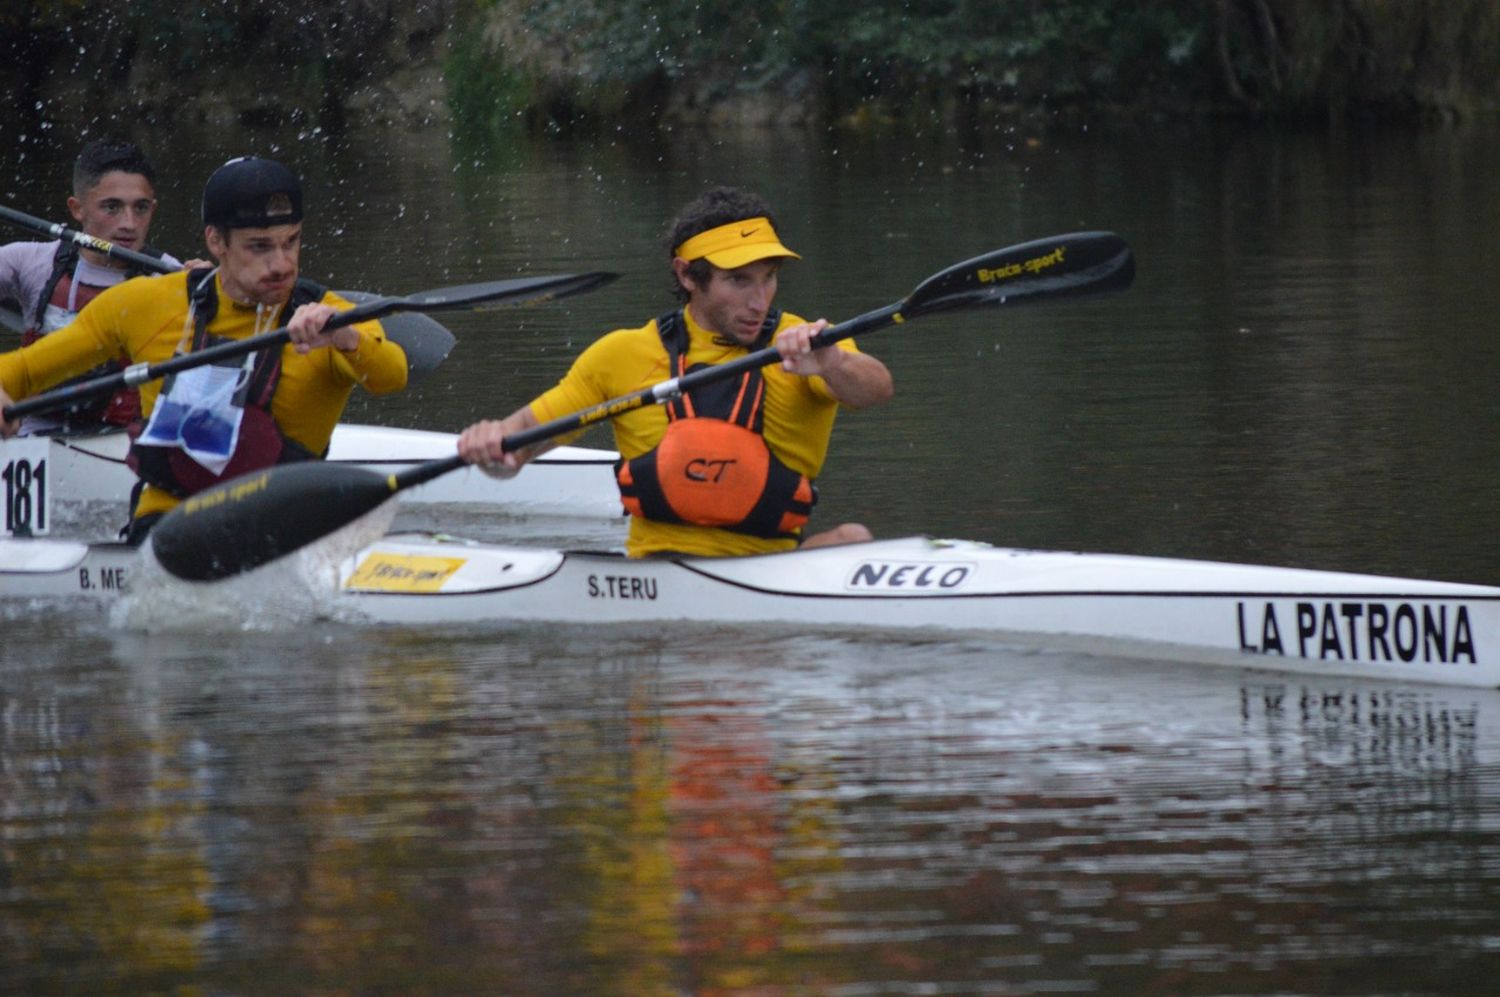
(298,588)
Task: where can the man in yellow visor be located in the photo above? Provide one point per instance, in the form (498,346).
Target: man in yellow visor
(728,469)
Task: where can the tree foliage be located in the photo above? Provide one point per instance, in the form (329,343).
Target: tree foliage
(555,63)
(608,58)
(1261,57)
(162,54)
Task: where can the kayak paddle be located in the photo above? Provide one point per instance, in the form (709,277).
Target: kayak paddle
(425,341)
(85,241)
(493,294)
(252,520)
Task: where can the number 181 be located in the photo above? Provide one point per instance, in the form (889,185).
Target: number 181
(25,497)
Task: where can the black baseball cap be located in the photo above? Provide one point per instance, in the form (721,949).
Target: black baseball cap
(250,192)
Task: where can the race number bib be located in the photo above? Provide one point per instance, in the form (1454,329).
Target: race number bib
(198,411)
(25,487)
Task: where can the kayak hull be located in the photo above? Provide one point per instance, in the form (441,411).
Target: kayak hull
(1314,622)
(1325,622)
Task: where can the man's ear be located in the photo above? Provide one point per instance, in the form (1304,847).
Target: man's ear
(75,208)
(680,270)
(217,241)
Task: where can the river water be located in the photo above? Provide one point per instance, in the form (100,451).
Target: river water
(1303,374)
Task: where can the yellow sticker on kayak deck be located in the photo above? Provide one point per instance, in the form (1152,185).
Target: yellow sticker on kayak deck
(384,571)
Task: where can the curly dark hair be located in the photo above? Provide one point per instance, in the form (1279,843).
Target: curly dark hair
(714,207)
(101,157)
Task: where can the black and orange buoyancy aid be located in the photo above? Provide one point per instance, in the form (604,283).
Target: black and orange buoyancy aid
(62,295)
(713,466)
(261,443)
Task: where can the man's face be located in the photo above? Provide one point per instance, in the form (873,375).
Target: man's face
(733,303)
(118,209)
(258,266)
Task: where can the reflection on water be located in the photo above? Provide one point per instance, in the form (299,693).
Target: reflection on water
(729,812)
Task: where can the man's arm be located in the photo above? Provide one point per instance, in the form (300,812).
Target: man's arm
(482,443)
(87,341)
(371,360)
(24,269)
(857,380)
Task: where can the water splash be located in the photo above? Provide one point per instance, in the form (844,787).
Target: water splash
(298,588)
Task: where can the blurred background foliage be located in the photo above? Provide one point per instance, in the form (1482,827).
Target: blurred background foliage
(558,65)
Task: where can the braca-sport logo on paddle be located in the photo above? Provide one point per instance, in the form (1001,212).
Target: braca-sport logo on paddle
(1032,266)
(910,577)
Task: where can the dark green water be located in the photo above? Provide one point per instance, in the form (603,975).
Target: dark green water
(1304,374)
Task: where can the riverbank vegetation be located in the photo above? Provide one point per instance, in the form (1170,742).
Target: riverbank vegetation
(559,65)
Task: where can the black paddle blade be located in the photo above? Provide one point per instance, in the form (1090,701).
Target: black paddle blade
(505,293)
(1082,263)
(248,522)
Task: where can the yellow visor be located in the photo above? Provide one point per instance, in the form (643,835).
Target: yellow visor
(735,245)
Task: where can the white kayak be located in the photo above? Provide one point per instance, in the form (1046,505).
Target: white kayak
(39,476)
(1291,619)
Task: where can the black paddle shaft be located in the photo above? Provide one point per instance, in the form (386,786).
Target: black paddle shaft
(83,239)
(494,294)
(1076,265)
(425,342)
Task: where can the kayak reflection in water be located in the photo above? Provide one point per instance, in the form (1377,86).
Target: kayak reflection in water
(728,468)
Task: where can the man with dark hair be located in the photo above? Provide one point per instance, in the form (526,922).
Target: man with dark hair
(728,469)
(211,423)
(113,199)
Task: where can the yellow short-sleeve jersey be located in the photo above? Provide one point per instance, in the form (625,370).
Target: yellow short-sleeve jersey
(798,422)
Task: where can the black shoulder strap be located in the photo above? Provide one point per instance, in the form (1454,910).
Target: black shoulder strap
(64,259)
(767,329)
(65,256)
(305,292)
(203,300)
(716,400)
(673,331)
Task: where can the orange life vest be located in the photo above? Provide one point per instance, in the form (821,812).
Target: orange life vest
(713,466)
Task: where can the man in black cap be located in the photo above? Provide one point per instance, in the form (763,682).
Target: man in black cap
(212,423)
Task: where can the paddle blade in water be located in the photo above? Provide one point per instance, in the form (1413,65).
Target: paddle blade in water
(250,521)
